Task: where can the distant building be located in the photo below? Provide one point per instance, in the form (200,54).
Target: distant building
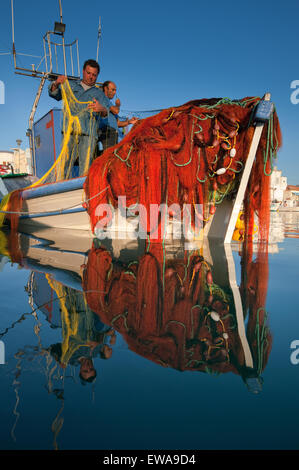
(6,156)
(18,159)
(6,162)
(291,196)
(278,185)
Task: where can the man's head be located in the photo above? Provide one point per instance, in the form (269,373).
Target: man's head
(91,70)
(87,371)
(106,352)
(109,88)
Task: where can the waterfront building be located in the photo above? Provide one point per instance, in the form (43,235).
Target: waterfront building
(291,196)
(278,186)
(17,159)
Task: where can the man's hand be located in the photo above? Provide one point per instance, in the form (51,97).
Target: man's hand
(117,102)
(97,107)
(133,120)
(59,80)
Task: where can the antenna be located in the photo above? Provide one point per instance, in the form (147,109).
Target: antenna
(63,43)
(13,34)
(60,9)
(99,36)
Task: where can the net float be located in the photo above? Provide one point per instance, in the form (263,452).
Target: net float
(221,171)
(232,134)
(225,335)
(232,152)
(215,316)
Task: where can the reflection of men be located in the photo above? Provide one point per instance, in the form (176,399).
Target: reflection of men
(109,126)
(87,371)
(84,335)
(82,352)
(85,90)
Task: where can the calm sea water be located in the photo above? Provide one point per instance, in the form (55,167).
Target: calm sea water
(168,374)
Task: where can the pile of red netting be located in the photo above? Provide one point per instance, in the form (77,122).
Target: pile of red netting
(190,154)
(174,312)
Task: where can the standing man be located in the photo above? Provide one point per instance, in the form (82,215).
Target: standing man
(85,90)
(108,134)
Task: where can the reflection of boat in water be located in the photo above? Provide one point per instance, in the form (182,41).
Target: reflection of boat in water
(177,308)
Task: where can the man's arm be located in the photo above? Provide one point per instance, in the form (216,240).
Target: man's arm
(125,123)
(114,109)
(54,88)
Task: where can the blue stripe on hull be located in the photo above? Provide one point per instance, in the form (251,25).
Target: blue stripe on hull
(54,188)
(50,214)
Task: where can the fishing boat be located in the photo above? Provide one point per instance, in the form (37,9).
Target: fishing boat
(12,181)
(65,204)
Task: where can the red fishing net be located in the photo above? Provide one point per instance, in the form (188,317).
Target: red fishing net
(190,154)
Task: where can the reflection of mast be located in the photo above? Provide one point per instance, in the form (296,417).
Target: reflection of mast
(17,384)
(238,306)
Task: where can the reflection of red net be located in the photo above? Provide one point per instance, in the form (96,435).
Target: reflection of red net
(163,309)
(190,154)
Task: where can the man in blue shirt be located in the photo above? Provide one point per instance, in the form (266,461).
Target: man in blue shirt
(85,90)
(108,129)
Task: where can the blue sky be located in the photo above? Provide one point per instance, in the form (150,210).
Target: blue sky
(163,53)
